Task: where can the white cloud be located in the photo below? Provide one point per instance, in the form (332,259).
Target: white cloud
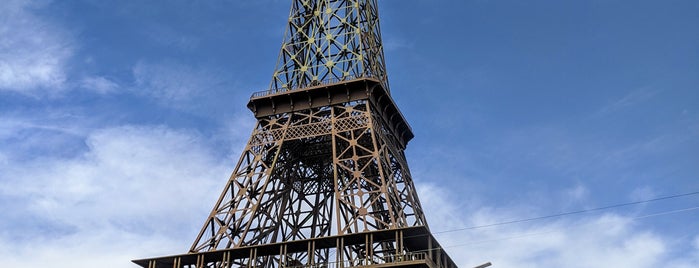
(436,204)
(578,192)
(174,84)
(33,51)
(38,135)
(396,43)
(143,191)
(137,192)
(643,193)
(632,98)
(99,84)
(607,240)
(236,132)
(95,248)
(166,36)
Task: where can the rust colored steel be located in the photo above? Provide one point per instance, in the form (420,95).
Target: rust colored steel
(323,180)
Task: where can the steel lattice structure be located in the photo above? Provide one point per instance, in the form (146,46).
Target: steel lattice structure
(303,171)
(323,180)
(330,40)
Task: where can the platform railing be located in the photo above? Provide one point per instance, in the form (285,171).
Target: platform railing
(412,246)
(325,82)
(389,259)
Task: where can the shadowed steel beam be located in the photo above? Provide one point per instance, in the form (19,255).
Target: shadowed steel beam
(323,179)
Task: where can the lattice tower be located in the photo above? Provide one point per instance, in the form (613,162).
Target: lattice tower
(323,178)
(329,41)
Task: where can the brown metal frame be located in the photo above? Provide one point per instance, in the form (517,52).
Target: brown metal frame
(412,247)
(304,170)
(330,40)
(323,180)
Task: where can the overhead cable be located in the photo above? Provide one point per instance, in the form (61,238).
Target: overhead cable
(569,213)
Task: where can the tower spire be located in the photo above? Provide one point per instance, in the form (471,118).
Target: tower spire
(327,41)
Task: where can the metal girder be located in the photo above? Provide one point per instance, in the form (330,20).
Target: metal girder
(412,247)
(328,41)
(319,172)
(323,180)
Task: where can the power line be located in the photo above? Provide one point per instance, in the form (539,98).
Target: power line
(559,215)
(568,213)
(551,231)
(534,233)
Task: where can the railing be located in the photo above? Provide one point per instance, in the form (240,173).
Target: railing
(411,256)
(390,259)
(427,253)
(325,82)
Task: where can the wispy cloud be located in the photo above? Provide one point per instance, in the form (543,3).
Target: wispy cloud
(576,193)
(174,84)
(632,98)
(122,165)
(99,84)
(129,194)
(396,43)
(166,36)
(606,240)
(141,191)
(43,134)
(33,51)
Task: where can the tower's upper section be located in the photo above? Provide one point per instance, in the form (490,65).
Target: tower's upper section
(332,53)
(329,41)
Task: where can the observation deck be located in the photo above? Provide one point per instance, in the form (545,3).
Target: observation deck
(414,247)
(331,92)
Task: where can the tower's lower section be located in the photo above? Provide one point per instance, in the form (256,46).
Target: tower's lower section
(322,182)
(410,247)
(328,169)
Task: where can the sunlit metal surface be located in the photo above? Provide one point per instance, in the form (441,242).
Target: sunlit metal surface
(323,180)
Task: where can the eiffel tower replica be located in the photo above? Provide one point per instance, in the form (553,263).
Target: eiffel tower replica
(323,180)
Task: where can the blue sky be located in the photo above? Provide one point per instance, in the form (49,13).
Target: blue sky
(120,122)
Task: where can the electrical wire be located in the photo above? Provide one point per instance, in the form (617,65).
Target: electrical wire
(570,213)
(540,233)
(552,231)
(567,213)
(547,217)
(536,233)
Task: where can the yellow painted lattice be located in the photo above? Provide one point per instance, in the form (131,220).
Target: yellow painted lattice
(330,41)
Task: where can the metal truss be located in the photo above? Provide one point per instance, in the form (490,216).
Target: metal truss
(330,40)
(319,172)
(323,180)
(410,247)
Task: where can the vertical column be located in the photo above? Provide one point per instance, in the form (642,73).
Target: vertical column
(200,261)
(340,252)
